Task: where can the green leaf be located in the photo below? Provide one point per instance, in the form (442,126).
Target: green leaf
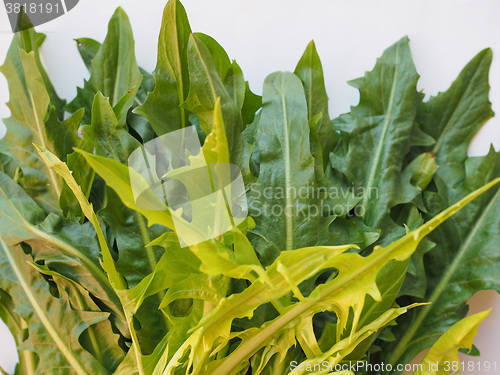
(107,263)
(57,242)
(63,135)
(162,107)
(98,339)
(31,41)
(356,278)
(29,101)
(19,329)
(352,282)
(221,59)
(7,165)
(460,266)
(454,116)
(466,262)
(114,68)
(135,261)
(54,328)
(377,136)
(310,72)
(285,202)
(205,87)
(88,49)
(444,353)
(84,176)
(117,176)
(235,84)
(251,105)
(106,135)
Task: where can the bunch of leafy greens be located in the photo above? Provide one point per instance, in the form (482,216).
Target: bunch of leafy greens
(92,283)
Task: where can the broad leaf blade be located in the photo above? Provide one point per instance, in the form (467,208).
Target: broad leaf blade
(285,219)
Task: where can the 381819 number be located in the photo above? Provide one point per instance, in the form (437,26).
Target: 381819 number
(32,8)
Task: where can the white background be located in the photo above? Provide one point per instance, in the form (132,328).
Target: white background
(269,35)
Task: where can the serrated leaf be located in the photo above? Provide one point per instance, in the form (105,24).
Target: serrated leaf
(355,279)
(377,133)
(54,328)
(98,339)
(467,261)
(453,117)
(88,49)
(29,101)
(57,242)
(31,41)
(235,84)
(106,135)
(108,263)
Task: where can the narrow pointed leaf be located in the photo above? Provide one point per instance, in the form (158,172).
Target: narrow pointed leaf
(163,105)
(310,72)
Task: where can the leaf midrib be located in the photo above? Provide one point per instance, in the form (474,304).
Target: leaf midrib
(288,173)
(178,60)
(118,66)
(385,127)
(42,136)
(207,71)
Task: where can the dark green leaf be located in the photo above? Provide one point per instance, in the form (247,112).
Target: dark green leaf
(63,135)
(377,136)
